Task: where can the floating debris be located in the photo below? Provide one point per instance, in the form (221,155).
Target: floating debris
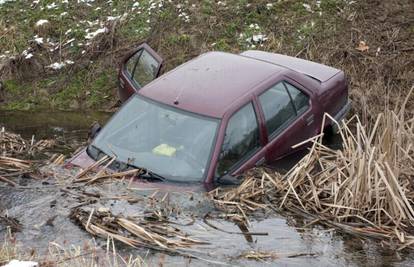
(12,144)
(137,232)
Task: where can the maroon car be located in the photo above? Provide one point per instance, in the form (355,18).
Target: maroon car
(216,115)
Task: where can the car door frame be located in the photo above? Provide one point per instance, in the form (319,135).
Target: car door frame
(313,111)
(247,161)
(127,85)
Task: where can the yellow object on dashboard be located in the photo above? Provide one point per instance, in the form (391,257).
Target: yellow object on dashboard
(164,150)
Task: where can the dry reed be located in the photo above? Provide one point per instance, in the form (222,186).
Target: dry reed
(12,144)
(364,189)
(137,232)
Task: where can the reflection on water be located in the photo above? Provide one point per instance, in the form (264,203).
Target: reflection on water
(69,129)
(47,124)
(293,245)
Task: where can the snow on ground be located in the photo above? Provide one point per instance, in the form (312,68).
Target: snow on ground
(5,1)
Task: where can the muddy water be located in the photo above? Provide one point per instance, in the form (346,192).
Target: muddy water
(43,211)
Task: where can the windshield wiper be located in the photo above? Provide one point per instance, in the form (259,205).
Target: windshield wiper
(152,175)
(122,166)
(95,154)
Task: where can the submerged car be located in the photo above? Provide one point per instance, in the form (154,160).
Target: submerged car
(216,115)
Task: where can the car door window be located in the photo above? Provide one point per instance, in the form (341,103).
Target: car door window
(142,67)
(146,69)
(277,108)
(132,61)
(299,99)
(241,139)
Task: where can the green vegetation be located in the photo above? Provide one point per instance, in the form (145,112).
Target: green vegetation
(179,30)
(65,54)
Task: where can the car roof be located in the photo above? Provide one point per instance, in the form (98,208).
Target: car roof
(210,83)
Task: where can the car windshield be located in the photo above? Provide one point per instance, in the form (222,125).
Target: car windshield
(167,141)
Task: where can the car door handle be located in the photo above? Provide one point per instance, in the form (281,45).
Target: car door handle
(309,120)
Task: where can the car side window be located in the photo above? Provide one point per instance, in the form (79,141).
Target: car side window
(300,100)
(241,139)
(142,67)
(132,61)
(277,108)
(146,69)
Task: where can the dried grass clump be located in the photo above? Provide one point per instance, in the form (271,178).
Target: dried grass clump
(12,144)
(365,189)
(11,167)
(137,232)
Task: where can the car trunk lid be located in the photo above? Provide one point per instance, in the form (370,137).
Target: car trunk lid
(319,72)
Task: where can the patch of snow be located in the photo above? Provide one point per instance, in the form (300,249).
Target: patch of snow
(111,18)
(41,22)
(60,65)
(254,26)
(56,65)
(52,6)
(69,41)
(5,1)
(64,14)
(38,40)
(92,35)
(307,7)
(17,263)
(259,38)
(26,54)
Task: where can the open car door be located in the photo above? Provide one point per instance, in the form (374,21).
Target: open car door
(138,69)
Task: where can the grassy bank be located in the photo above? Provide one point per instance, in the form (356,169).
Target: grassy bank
(62,55)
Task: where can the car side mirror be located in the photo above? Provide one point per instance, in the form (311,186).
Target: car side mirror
(93,132)
(228,179)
